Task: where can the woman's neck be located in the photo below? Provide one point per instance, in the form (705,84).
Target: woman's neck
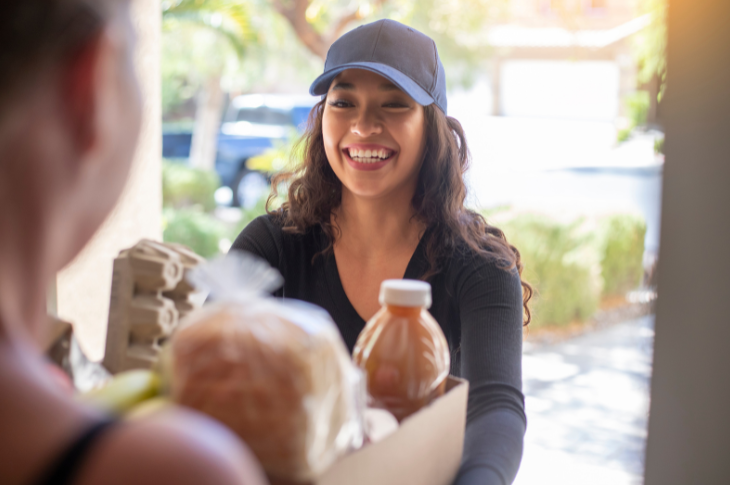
(22,291)
(375,226)
(24,241)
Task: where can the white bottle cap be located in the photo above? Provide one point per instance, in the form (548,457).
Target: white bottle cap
(410,293)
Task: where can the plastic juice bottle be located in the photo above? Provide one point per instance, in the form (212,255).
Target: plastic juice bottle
(402,350)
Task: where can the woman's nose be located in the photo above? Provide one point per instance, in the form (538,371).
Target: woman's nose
(366,124)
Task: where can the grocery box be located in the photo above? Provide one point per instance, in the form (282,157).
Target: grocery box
(426,449)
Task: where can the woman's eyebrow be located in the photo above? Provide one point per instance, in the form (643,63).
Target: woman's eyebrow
(343,86)
(388,87)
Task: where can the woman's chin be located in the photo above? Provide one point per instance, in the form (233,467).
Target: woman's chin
(367,190)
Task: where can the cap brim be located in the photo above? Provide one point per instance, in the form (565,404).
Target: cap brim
(321,85)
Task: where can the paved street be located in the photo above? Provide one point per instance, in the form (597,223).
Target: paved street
(587,403)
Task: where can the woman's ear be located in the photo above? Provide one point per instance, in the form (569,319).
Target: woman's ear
(101,99)
(79,85)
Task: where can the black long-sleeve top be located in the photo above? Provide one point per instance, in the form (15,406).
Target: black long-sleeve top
(478,306)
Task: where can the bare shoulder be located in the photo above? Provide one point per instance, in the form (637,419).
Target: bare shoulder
(178,447)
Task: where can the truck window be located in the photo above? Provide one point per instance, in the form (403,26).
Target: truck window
(264,116)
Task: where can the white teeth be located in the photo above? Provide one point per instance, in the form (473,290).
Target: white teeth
(369,156)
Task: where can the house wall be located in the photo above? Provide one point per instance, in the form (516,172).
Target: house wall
(561,89)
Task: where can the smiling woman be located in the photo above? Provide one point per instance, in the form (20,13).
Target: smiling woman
(380,195)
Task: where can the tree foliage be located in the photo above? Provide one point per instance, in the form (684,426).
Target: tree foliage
(202,38)
(650,45)
(227,18)
(319,23)
(280,45)
(457,26)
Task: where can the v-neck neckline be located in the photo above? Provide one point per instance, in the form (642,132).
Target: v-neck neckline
(414,270)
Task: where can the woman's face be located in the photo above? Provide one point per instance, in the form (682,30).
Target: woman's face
(373,134)
(105,164)
(119,112)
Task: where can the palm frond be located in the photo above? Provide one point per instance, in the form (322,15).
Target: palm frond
(229,18)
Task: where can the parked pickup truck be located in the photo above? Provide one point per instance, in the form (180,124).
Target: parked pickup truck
(252,124)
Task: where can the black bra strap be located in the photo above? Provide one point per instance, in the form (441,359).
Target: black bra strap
(67,465)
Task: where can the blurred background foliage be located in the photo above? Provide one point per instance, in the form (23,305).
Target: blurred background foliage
(650,45)
(574,265)
(566,283)
(637,108)
(184,186)
(194,228)
(201,38)
(622,253)
(190,211)
(649,51)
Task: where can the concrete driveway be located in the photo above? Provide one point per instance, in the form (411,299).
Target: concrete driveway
(587,402)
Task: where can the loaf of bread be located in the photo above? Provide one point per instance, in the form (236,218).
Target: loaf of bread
(279,375)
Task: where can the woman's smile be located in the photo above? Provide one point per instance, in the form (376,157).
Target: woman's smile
(369,156)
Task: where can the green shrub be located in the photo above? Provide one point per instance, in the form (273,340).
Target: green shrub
(199,231)
(248,215)
(637,105)
(659,145)
(571,266)
(183,186)
(624,134)
(622,254)
(560,264)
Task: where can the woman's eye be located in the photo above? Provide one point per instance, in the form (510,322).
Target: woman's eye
(395,105)
(340,103)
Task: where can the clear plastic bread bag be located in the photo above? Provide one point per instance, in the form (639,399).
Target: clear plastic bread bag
(275,371)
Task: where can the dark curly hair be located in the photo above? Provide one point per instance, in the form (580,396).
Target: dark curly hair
(315,192)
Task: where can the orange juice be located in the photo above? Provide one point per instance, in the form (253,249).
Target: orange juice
(402,350)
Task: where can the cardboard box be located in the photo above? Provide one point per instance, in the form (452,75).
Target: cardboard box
(426,449)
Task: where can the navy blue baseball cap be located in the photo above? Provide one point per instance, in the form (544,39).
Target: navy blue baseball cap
(402,55)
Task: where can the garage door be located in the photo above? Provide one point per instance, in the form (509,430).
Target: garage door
(560,89)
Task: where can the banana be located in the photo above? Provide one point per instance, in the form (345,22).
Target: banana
(163,367)
(149,408)
(124,391)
